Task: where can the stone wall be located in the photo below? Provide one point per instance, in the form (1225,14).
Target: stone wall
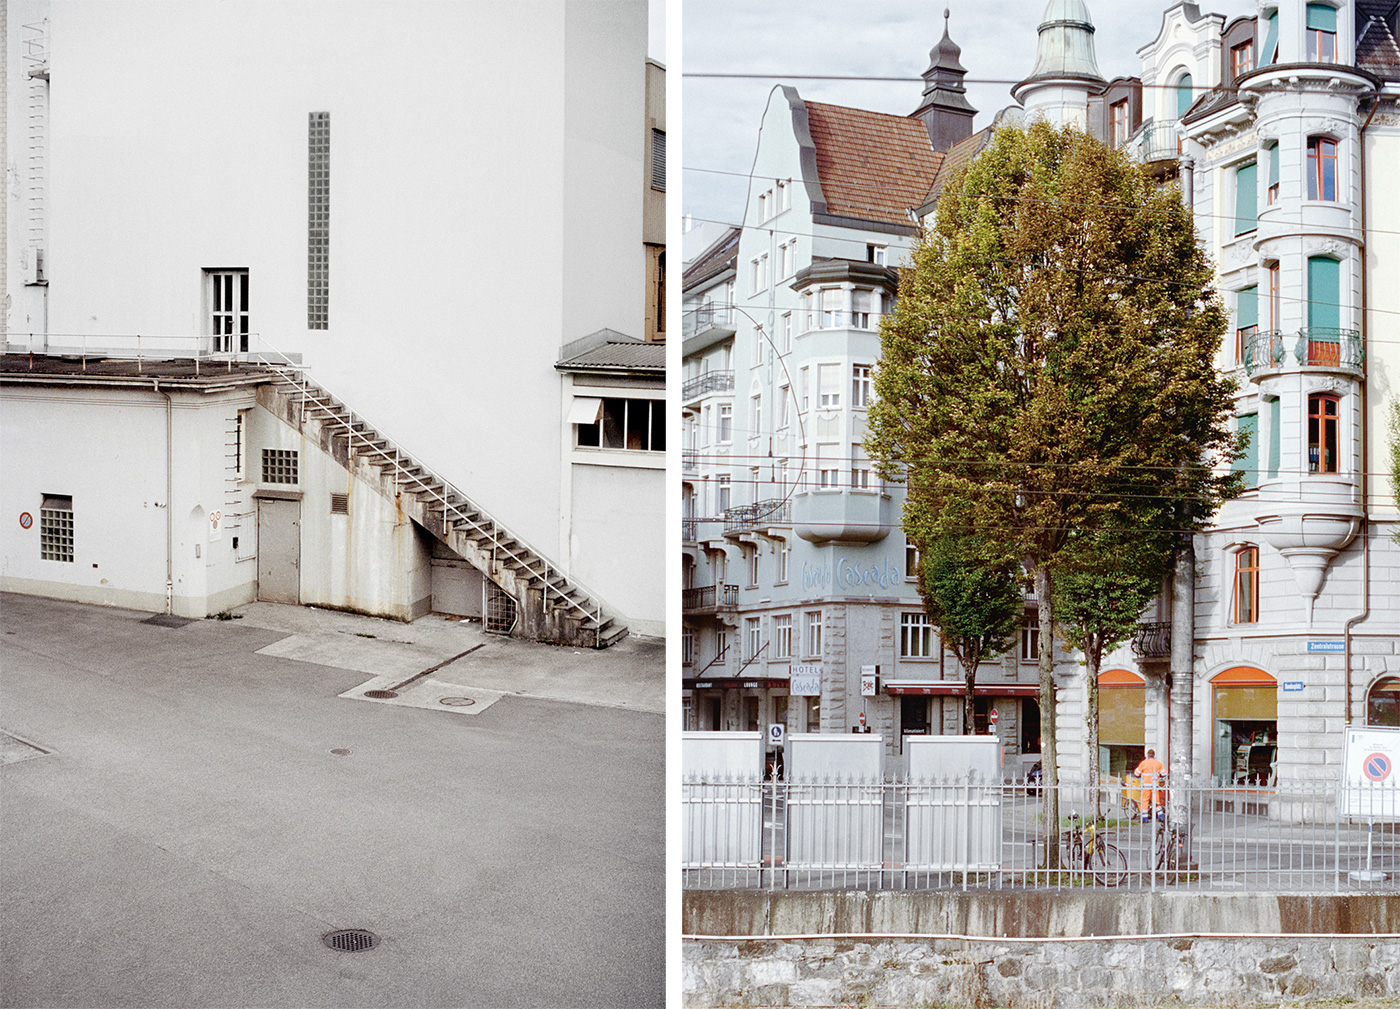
(1035,949)
(1043,975)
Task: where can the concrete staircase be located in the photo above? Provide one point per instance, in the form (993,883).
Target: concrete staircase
(549,606)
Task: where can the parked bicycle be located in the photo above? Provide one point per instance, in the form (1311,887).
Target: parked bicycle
(1085,850)
(1169,848)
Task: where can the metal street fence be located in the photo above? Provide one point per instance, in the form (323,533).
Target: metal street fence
(1290,837)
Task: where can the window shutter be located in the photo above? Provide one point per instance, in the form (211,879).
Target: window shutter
(1246,198)
(1322,18)
(1247,308)
(658,159)
(1324,293)
(1273,164)
(1275,413)
(1269,53)
(1249,462)
(1183,95)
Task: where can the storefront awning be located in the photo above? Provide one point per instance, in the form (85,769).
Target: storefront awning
(764,683)
(957,688)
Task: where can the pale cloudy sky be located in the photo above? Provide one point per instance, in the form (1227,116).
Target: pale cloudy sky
(873,38)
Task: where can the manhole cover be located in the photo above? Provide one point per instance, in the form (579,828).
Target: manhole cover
(457,702)
(340,752)
(381,695)
(351,940)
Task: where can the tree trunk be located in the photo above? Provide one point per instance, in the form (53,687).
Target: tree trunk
(1093,659)
(1179,757)
(1049,766)
(969,694)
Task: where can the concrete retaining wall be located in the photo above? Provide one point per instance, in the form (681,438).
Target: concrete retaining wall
(1035,950)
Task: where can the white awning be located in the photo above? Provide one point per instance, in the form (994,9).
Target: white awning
(585,410)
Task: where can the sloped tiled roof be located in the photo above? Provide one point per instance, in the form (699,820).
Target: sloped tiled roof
(716,259)
(961,153)
(1376,49)
(871,164)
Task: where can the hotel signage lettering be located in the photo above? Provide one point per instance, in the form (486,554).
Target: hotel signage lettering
(848,575)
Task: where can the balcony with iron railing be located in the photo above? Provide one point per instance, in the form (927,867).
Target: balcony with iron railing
(703,385)
(689,531)
(709,599)
(690,460)
(1153,639)
(704,318)
(759,515)
(1155,141)
(1314,347)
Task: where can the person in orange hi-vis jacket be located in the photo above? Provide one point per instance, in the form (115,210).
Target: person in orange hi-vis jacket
(1150,773)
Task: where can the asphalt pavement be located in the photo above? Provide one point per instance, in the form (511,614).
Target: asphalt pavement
(186,811)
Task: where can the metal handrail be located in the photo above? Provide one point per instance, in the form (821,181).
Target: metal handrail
(293,372)
(290,373)
(1263,349)
(711,381)
(743,518)
(1349,351)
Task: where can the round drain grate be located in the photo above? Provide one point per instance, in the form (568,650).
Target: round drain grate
(381,695)
(351,940)
(341,752)
(457,702)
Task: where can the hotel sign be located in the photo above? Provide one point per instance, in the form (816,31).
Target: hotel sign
(806,680)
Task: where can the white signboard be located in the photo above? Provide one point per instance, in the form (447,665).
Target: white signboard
(777,734)
(216,526)
(867,680)
(1371,781)
(806,681)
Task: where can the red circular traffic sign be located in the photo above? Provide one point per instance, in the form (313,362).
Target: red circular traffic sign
(993,716)
(25,520)
(1376,767)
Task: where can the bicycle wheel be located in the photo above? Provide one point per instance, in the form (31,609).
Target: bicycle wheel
(1110,864)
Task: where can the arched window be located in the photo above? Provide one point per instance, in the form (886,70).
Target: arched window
(1323,413)
(1383,703)
(1183,94)
(1246,585)
(1322,168)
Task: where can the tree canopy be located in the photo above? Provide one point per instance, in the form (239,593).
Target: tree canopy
(1048,370)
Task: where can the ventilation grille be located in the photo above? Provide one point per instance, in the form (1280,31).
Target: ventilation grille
(340,504)
(658,160)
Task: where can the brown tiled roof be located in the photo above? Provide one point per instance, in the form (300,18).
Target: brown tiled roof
(871,164)
(1376,49)
(961,153)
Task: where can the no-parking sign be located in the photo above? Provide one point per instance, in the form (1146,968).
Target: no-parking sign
(1371,781)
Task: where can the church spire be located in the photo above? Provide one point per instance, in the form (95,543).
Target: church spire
(1065,71)
(945,111)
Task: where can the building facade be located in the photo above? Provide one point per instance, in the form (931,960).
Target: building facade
(426,262)
(1282,624)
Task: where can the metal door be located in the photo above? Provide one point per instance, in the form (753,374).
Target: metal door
(279,551)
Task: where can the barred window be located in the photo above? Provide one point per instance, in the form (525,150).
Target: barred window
(279,466)
(56,528)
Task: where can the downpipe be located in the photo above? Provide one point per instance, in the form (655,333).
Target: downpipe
(169,488)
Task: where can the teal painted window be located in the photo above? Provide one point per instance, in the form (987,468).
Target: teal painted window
(1273,174)
(1324,293)
(1269,53)
(1183,95)
(1246,198)
(1322,17)
(1246,319)
(1274,414)
(1249,462)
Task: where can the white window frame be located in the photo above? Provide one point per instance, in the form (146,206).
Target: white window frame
(916,636)
(724,433)
(862,388)
(784,558)
(828,466)
(829,386)
(753,636)
(227,294)
(860,468)
(782,636)
(814,633)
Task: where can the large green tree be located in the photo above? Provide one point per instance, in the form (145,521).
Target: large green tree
(1049,367)
(1106,581)
(973,596)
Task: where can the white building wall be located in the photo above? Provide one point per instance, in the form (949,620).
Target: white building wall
(485,165)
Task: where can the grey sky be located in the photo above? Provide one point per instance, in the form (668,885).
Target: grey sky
(876,38)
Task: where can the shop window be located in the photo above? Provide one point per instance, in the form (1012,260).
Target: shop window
(1246,585)
(1122,719)
(1323,416)
(1322,168)
(1383,703)
(1245,713)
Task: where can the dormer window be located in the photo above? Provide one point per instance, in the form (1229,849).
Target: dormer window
(1268,52)
(1118,123)
(1242,58)
(1322,33)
